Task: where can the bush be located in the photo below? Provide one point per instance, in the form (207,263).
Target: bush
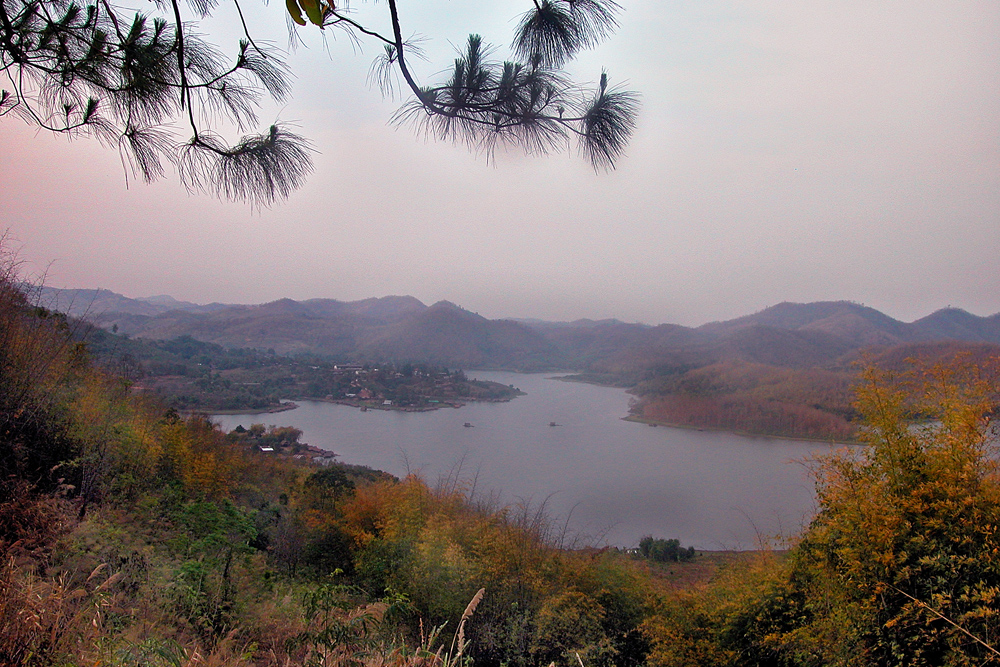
(901,565)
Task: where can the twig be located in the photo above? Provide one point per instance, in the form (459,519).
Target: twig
(946,619)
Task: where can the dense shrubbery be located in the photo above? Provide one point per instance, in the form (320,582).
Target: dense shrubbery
(901,566)
(664,551)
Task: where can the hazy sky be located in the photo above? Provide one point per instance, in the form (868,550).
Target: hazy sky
(786,151)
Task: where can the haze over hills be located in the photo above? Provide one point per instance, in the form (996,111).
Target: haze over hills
(93,303)
(402,328)
(786,370)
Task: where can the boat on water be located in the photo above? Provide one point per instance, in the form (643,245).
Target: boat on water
(467,425)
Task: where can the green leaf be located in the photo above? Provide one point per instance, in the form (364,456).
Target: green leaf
(295,12)
(313,11)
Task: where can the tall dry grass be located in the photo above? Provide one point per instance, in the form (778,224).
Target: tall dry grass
(46,621)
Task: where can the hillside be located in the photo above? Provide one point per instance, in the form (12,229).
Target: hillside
(404,329)
(447,334)
(790,369)
(389,328)
(94,304)
(131,537)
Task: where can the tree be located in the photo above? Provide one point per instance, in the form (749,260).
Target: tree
(664,551)
(906,536)
(529,103)
(92,69)
(95,69)
(901,565)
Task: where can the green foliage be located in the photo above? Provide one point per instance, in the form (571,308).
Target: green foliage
(37,366)
(213,540)
(328,551)
(330,483)
(434,547)
(151,652)
(906,533)
(208,550)
(568,625)
(664,551)
(719,624)
(337,629)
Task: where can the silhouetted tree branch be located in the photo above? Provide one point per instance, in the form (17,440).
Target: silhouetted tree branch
(142,82)
(530,104)
(125,79)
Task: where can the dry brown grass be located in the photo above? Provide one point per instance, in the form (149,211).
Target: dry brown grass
(43,621)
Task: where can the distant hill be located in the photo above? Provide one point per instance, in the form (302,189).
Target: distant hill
(788,335)
(392,328)
(787,315)
(862,325)
(94,304)
(786,370)
(789,369)
(401,328)
(956,324)
(447,334)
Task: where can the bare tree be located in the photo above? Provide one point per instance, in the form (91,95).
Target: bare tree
(147,84)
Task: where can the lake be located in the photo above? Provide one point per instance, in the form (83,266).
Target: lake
(607,480)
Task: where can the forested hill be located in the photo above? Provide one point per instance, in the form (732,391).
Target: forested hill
(392,328)
(785,370)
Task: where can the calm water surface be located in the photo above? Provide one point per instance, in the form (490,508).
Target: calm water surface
(610,481)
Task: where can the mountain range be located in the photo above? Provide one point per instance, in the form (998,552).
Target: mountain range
(402,328)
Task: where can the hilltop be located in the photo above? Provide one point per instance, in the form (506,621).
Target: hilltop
(402,328)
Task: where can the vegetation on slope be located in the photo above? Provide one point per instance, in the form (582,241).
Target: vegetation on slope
(756,398)
(783,371)
(901,565)
(807,402)
(131,537)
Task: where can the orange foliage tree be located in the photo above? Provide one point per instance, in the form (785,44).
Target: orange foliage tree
(902,563)
(907,532)
(900,566)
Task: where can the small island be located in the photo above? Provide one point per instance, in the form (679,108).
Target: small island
(416,389)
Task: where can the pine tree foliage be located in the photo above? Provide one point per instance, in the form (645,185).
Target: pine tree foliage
(529,103)
(148,85)
(94,69)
